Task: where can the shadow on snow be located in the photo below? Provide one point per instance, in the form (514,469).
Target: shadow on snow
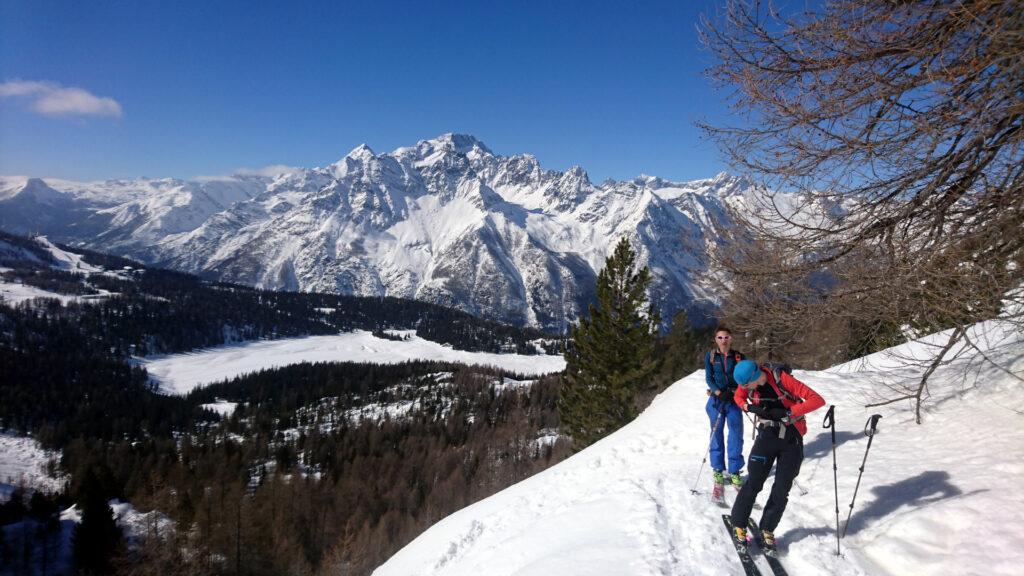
(917,492)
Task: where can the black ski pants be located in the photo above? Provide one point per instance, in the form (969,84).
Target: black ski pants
(769,449)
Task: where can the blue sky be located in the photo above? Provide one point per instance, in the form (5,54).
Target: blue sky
(92,90)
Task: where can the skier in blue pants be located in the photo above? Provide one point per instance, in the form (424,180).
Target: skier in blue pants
(719,364)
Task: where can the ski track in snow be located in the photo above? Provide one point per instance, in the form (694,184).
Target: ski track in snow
(623,506)
(181,373)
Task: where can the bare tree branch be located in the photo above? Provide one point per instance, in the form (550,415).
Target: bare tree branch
(887,139)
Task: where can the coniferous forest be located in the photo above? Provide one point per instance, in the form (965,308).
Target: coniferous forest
(320,468)
(320,465)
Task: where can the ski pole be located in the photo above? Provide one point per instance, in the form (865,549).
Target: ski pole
(869,429)
(830,422)
(702,462)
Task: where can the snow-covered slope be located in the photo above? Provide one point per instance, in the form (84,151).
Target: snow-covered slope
(13,293)
(938,498)
(446,221)
(42,252)
(23,463)
(180,373)
(23,536)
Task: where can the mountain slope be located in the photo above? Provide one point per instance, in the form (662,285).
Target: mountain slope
(934,498)
(446,221)
(145,310)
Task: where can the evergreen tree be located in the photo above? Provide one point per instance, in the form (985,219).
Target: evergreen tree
(680,352)
(97,538)
(611,353)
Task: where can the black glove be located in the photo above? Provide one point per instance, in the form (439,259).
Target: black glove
(768,413)
(723,404)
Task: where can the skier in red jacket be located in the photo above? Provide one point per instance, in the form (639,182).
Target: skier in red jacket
(780,402)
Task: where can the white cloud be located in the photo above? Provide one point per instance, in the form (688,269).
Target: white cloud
(52,99)
(267,171)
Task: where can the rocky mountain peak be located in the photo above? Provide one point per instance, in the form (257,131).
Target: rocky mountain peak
(361,151)
(445,221)
(577,174)
(40,191)
(458,143)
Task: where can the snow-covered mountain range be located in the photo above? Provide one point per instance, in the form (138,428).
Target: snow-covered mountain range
(446,221)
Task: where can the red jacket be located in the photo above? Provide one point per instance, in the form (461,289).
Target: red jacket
(811,399)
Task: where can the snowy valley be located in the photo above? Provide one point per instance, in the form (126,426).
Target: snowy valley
(179,397)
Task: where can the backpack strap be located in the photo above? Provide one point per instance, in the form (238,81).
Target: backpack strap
(725,372)
(776,383)
(777,376)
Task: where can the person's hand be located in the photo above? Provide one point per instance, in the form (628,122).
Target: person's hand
(757,409)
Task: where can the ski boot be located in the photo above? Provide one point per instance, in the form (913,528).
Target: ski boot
(736,480)
(768,543)
(739,537)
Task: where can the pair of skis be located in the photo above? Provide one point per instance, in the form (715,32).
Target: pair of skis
(746,559)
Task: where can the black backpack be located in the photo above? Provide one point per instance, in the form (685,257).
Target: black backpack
(777,368)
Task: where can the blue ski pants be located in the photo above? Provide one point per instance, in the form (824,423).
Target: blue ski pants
(733,418)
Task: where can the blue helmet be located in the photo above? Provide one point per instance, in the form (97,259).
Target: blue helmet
(746,372)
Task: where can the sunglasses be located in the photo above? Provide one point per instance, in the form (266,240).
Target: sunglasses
(723,337)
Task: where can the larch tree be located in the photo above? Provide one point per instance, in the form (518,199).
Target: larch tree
(887,141)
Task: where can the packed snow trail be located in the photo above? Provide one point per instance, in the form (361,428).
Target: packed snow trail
(624,507)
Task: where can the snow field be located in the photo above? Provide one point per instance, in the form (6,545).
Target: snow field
(934,498)
(13,293)
(181,373)
(222,407)
(68,261)
(23,463)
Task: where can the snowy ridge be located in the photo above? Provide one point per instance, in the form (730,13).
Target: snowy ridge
(445,221)
(67,261)
(623,506)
